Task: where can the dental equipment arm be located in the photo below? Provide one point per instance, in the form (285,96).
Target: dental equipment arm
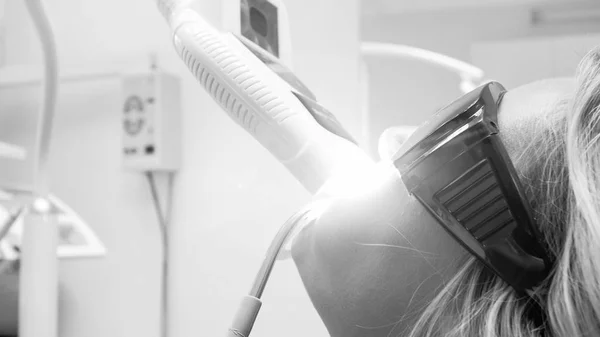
(471,76)
(38,284)
(259,100)
(50,93)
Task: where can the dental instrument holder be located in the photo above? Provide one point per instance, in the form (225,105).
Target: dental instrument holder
(250,306)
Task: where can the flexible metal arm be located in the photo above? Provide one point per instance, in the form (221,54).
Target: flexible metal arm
(390,49)
(250,306)
(278,242)
(470,75)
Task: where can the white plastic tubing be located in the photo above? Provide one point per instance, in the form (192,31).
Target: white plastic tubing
(168,8)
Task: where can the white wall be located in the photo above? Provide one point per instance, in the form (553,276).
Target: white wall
(406,6)
(230,196)
(517,62)
(407,92)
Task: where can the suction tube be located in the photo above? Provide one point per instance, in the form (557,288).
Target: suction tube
(258,100)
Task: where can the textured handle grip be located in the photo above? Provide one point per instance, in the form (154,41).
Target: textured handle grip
(251,94)
(261,102)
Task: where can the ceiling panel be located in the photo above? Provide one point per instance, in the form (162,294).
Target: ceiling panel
(406,6)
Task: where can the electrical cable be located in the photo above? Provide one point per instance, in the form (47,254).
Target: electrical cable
(163,220)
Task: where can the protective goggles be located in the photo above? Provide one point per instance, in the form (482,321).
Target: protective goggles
(458,168)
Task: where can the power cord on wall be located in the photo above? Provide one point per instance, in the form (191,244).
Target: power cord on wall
(163,221)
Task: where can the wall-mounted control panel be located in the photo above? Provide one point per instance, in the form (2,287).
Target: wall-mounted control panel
(151,122)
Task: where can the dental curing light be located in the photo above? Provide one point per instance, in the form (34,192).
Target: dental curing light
(268,101)
(262,96)
(455,164)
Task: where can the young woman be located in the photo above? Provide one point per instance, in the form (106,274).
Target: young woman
(378,264)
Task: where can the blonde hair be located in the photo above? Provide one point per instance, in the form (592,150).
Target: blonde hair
(561,173)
